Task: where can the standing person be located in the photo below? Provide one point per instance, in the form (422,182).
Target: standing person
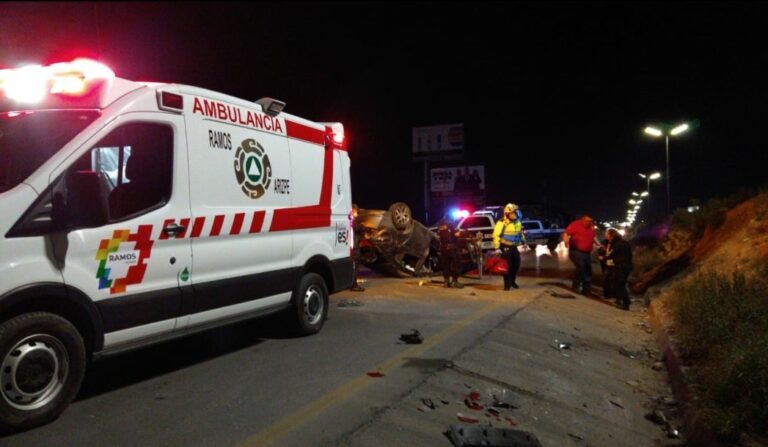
(605,269)
(450,255)
(507,236)
(579,239)
(357,231)
(619,259)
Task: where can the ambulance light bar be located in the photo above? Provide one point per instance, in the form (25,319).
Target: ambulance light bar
(31,83)
(334,135)
(271,106)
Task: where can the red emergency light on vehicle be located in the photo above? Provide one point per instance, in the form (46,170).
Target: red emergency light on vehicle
(78,83)
(30,84)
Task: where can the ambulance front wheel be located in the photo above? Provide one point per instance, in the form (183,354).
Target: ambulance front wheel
(310,304)
(43,362)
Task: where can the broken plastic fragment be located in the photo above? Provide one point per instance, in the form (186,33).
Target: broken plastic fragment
(414,338)
(467,418)
(349,303)
(471,436)
(471,401)
(627,353)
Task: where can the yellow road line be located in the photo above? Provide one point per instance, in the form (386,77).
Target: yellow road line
(274,432)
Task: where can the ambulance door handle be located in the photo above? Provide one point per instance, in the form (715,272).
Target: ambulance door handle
(174,229)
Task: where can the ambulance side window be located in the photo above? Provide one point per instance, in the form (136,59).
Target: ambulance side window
(134,166)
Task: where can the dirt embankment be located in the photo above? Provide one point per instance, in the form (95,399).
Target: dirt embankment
(739,244)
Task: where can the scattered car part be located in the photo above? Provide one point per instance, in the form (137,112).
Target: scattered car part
(473,436)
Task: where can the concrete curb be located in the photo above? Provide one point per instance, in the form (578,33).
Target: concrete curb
(696,431)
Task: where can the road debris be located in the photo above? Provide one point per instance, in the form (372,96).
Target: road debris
(561,294)
(616,404)
(472,401)
(633,383)
(629,354)
(658,366)
(500,398)
(414,338)
(470,436)
(576,437)
(428,403)
(375,374)
(467,418)
(657,417)
(349,303)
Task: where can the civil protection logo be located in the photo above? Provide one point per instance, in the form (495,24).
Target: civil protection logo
(252,168)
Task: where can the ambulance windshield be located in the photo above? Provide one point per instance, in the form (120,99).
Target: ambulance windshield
(28,139)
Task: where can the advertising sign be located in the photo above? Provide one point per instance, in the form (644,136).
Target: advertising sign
(459,180)
(438,140)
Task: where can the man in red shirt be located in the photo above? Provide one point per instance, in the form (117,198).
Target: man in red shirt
(579,238)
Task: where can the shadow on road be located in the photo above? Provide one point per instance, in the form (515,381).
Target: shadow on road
(137,366)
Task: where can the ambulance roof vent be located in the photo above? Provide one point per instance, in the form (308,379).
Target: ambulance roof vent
(271,106)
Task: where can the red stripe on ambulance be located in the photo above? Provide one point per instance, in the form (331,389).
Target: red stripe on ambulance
(237,224)
(197,227)
(305,133)
(218,222)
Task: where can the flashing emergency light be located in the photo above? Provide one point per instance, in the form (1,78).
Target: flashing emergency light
(459,214)
(31,83)
(334,134)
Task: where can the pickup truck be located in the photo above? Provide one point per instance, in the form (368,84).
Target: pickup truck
(539,232)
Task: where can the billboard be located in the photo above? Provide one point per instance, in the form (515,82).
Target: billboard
(438,140)
(457,181)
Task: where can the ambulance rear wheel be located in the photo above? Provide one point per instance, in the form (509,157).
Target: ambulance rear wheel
(310,304)
(43,363)
(401,215)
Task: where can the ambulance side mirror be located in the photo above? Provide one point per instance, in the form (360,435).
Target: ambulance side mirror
(85,205)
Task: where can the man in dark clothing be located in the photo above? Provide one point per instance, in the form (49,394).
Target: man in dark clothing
(450,255)
(605,270)
(619,259)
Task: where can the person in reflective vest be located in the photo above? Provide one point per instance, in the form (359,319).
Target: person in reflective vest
(507,236)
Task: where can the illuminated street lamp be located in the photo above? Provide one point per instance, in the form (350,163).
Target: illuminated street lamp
(666,132)
(648,178)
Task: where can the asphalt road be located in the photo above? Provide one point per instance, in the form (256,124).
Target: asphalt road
(250,384)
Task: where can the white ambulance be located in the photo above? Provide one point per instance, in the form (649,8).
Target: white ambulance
(132,213)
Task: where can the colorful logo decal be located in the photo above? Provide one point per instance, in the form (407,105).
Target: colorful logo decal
(122,258)
(252,169)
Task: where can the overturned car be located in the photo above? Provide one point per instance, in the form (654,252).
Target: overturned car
(393,243)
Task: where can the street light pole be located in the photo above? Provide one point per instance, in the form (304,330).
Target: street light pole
(649,184)
(667,131)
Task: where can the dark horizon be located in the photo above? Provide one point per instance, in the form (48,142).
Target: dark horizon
(554,97)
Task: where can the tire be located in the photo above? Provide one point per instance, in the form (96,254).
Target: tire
(310,300)
(42,365)
(401,215)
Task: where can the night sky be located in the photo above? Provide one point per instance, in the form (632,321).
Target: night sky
(554,96)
